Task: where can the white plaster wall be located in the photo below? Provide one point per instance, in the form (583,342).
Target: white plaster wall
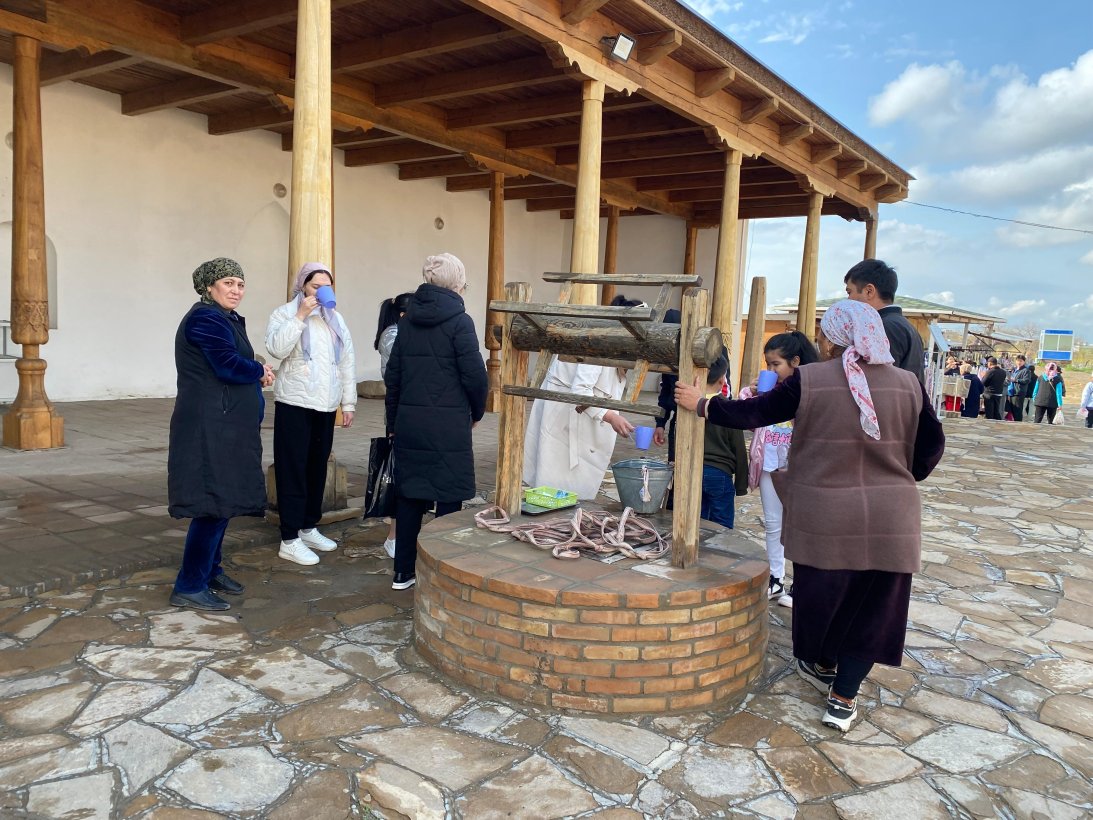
(134,204)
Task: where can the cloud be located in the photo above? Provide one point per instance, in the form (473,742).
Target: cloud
(1022,307)
(946,297)
(789,28)
(1087,259)
(932,96)
(1070,208)
(1017,179)
(711,8)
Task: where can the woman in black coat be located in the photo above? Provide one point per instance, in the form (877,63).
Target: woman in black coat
(214,463)
(436,392)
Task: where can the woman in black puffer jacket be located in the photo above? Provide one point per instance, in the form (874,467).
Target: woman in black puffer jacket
(436,392)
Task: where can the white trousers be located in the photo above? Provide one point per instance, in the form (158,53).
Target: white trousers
(772,523)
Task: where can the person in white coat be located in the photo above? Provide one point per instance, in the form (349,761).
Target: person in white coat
(317,376)
(567,446)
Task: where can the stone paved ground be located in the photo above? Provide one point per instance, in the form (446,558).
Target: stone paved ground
(308,700)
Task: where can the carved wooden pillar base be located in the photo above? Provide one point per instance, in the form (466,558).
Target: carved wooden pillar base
(33,423)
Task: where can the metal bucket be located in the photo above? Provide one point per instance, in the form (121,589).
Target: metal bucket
(642,483)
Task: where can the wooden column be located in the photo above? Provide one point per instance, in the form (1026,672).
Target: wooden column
(495,286)
(871,238)
(512,421)
(726,272)
(806,300)
(753,339)
(586,216)
(610,253)
(311,221)
(689,439)
(32,423)
(690,249)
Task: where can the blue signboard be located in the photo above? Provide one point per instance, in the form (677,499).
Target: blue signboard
(1057,345)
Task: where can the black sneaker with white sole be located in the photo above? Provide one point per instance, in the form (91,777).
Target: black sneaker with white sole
(404,580)
(839,714)
(775,588)
(820,678)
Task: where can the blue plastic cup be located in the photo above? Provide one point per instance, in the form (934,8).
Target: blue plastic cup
(767,380)
(643,437)
(325,296)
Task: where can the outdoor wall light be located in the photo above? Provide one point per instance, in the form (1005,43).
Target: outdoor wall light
(619,46)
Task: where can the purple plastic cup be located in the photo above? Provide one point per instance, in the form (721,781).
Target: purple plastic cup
(767,380)
(325,296)
(643,437)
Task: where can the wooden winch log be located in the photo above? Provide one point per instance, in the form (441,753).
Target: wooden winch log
(605,339)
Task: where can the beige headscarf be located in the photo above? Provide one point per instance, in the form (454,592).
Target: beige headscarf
(445,271)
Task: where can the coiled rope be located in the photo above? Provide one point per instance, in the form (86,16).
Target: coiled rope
(597,532)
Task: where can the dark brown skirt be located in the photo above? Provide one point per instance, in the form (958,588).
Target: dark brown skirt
(860,614)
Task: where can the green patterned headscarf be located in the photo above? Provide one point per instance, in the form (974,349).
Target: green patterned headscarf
(214,269)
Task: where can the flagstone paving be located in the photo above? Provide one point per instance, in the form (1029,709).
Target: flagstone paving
(308,700)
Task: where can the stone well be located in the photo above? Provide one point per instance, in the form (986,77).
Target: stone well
(506,618)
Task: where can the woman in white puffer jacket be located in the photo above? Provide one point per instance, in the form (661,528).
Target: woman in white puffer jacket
(317,376)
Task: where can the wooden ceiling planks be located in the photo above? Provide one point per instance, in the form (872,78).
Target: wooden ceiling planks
(486,81)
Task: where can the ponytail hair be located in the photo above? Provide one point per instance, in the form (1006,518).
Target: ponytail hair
(390,311)
(793,345)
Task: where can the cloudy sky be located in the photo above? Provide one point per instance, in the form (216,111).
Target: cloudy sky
(988,103)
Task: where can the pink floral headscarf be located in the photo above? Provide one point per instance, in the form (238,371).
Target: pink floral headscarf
(858,327)
(328,314)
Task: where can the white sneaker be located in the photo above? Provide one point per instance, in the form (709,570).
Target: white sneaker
(389,547)
(297,552)
(317,541)
(785,600)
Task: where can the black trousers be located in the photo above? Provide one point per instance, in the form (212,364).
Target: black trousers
(408,515)
(1017,407)
(302,439)
(1049,411)
(992,406)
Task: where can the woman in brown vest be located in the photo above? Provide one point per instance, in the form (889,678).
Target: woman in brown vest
(864,433)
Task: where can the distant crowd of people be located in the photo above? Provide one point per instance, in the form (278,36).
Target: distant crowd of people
(1011,390)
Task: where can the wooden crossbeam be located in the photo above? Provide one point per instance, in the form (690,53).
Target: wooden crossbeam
(708,83)
(869,182)
(538,108)
(586,401)
(888,193)
(429,168)
(481,182)
(794,132)
(775,190)
(482,79)
(671,279)
(619,126)
(440,37)
(187,91)
(829,150)
(643,149)
(234,19)
(235,122)
(76,65)
(398,151)
(574,11)
(663,165)
(654,46)
(630,314)
(758,109)
(553,203)
(849,167)
(762,210)
(539,191)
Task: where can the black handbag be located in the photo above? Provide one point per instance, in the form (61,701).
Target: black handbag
(379,495)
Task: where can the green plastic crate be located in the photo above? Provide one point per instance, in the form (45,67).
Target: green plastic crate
(549,497)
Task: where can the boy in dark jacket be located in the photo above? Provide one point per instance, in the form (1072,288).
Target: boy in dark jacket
(724,459)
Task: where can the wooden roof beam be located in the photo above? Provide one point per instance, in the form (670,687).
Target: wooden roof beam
(869,182)
(78,65)
(778,190)
(537,108)
(619,126)
(482,79)
(399,151)
(892,192)
(440,37)
(574,11)
(539,191)
(708,83)
(850,167)
(554,203)
(267,116)
(481,182)
(794,132)
(187,91)
(432,168)
(656,45)
(758,109)
(663,165)
(234,19)
(669,146)
(826,151)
